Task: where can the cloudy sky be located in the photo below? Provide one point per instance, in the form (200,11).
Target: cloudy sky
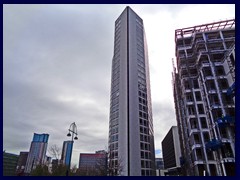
(57,69)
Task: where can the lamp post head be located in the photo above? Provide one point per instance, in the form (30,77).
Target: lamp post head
(69,134)
(76,138)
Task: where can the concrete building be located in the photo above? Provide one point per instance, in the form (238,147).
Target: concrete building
(131,141)
(66,152)
(159,164)
(172,152)
(93,164)
(203,82)
(9,164)
(22,160)
(37,152)
(55,164)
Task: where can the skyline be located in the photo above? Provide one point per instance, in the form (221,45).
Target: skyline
(47,79)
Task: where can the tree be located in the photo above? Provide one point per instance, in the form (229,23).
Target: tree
(54,151)
(40,170)
(101,166)
(59,170)
(114,167)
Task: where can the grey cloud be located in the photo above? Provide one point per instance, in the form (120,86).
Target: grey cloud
(164,119)
(57,70)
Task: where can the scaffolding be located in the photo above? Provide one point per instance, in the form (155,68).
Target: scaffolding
(201,87)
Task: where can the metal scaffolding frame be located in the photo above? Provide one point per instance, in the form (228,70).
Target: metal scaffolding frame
(192,48)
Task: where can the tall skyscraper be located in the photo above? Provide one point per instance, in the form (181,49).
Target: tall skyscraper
(66,152)
(131,141)
(37,153)
(204,97)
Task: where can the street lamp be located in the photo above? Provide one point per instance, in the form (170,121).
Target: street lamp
(72,131)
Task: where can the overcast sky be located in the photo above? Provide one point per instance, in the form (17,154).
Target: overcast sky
(57,69)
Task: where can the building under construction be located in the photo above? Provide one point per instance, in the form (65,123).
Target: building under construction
(204,90)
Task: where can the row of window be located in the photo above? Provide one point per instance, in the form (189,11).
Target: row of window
(142,66)
(144,130)
(142,101)
(141,69)
(114,122)
(114,115)
(141,81)
(146,164)
(113,146)
(113,138)
(143,115)
(144,138)
(194,123)
(147,172)
(115,89)
(191,109)
(143,108)
(144,122)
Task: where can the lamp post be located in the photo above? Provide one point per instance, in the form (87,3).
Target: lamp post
(72,131)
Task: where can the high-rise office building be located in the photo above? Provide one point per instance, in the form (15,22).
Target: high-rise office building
(37,153)
(203,82)
(171,152)
(131,141)
(66,152)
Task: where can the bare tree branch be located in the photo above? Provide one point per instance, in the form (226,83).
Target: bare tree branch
(54,151)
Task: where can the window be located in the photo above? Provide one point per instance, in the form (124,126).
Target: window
(211,85)
(210,155)
(186,85)
(200,109)
(193,122)
(191,110)
(196,138)
(207,72)
(206,137)
(195,84)
(214,99)
(199,154)
(189,97)
(220,71)
(223,132)
(223,83)
(217,113)
(203,122)
(198,96)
